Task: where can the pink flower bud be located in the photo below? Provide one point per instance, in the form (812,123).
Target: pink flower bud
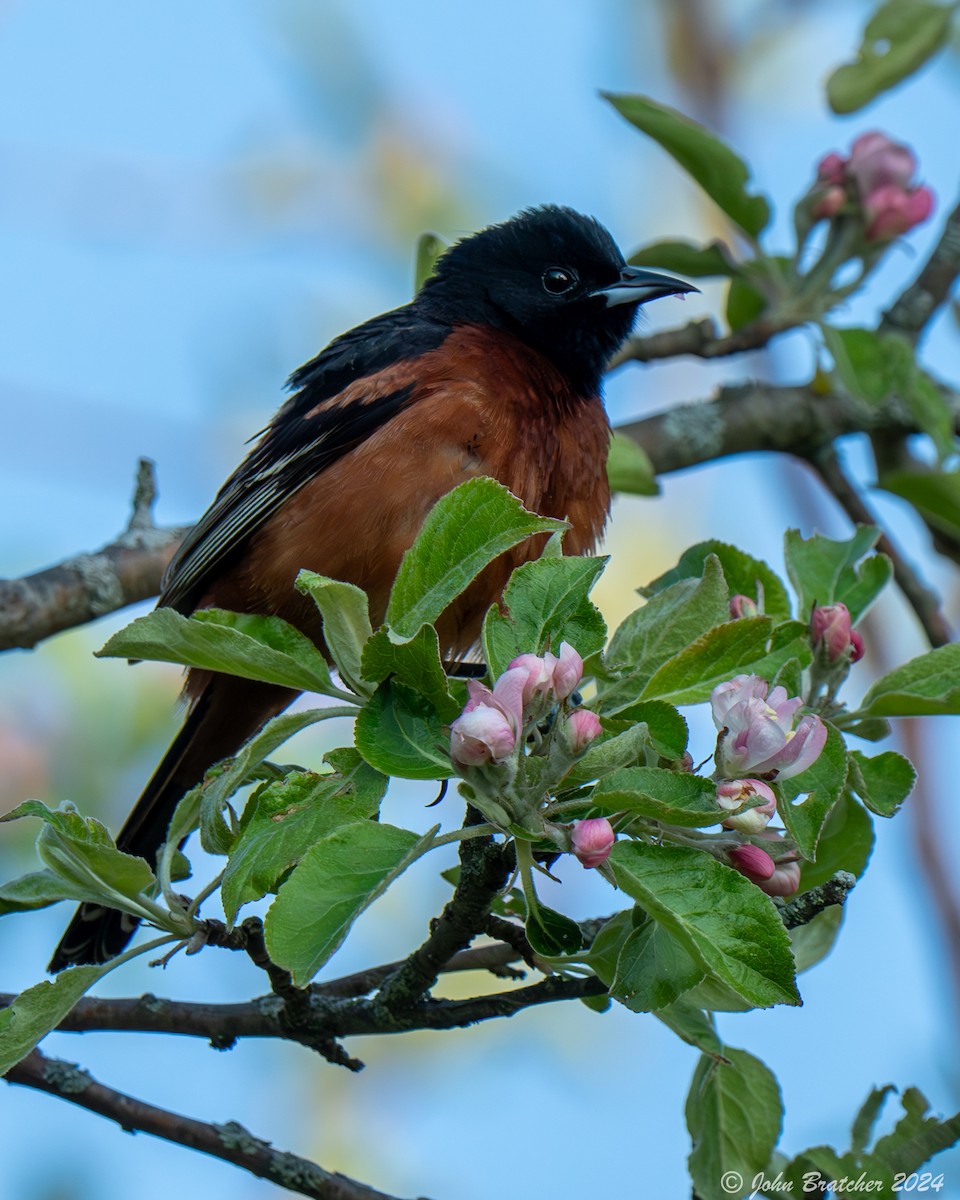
(582,727)
(592,840)
(876,160)
(567,671)
(742,606)
(734,793)
(830,627)
(832,169)
(785,880)
(889,210)
(829,203)
(537,681)
(753,862)
(480,736)
(856,646)
(559,675)
(491,721)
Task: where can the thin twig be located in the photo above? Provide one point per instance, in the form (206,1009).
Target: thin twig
(803,908)
(701,339)
(923,600)
(230,1142)
(87,586)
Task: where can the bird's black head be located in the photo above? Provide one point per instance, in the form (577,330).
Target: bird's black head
(553,278)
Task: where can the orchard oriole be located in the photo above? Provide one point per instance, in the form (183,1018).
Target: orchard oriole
(493,369)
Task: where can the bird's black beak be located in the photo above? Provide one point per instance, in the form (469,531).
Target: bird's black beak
(636,284)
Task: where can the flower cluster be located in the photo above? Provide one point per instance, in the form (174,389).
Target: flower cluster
(493,721)
(526,708)
(757,736)
(876,178)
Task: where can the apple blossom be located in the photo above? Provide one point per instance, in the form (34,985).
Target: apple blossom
(733,794)
(757,735)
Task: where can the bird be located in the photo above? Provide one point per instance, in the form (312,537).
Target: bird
(494,368)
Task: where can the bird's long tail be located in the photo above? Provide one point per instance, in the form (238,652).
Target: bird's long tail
(224,715)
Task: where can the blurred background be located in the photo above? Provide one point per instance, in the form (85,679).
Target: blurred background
(193,200)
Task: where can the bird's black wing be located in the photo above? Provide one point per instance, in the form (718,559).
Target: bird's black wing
(305,437)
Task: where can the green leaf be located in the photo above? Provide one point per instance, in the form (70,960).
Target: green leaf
(285,820)
(686,258)
(629,468)
(723,921)
(721,173)
(824,782)
(734,1114)
(346,623)
(934,494)
(430,246)
(551,933)
(41,1008)
(789,643)
(871,366)
(32,891)
(932,413)
(261,648)
(414,662)
(663,628)
(916,1137)
(882,782)
(466,529)
(207,806)
(399,732)
(874,366)
(732,649)
(811,943)
(823,571)
(846,843)
(692,1024)
(84,857)
(653,970)
(923,687)
(606,946)
(744,575)
(744,303)
(865,1120)
(636,744)
(339,877)
(660,795)
(819,1164)
(545,602)
(666,727)
(898,39)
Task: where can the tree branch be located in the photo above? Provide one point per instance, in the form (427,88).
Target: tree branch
(88,586)
(229,1142)
(485,866)
(745,418)
(701,339)
(923,600)
(913,309)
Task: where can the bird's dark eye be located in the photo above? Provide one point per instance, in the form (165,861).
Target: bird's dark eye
(559,280)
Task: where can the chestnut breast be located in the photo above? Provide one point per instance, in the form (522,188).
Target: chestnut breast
(483,404)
